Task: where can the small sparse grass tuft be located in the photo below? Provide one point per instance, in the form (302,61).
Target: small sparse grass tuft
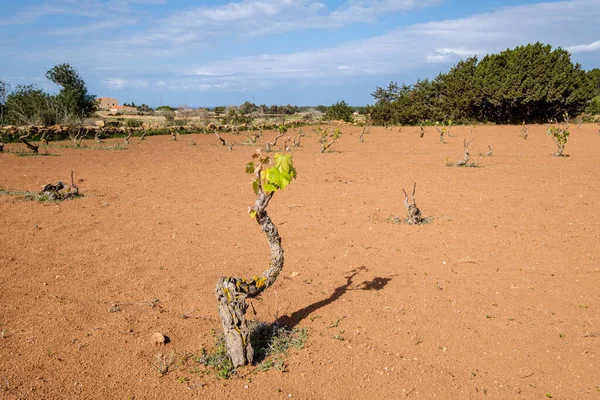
(18,193)
(118,146)
(468,165)
(21,153)
(163,362)
(271,344)
(218,359)
(394,219)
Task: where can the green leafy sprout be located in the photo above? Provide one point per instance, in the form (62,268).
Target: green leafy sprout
(560,135)
(282,129)
(267,181)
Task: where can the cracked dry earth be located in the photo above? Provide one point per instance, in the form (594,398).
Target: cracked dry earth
(497,297)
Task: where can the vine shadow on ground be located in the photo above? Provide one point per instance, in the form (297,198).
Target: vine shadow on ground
(376,283)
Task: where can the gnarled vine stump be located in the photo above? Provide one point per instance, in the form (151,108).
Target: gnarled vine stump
(232,292)
(413,214)
(467,156)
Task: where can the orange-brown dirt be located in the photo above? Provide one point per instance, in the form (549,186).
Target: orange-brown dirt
(497,297)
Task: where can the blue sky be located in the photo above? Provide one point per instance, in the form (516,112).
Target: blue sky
(304,52)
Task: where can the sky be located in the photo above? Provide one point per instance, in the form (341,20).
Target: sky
(302,52)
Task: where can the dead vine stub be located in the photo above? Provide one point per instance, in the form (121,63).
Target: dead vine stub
(467,156)
(413,214)
(60,191)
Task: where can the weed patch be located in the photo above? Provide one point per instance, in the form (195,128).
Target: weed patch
(271,344)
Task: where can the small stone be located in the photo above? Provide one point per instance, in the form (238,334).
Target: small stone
(158,339)
(294,274)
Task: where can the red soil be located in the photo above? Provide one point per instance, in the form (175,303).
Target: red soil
(497,297)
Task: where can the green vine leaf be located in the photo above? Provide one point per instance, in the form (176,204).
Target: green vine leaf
(284,163)
(274,178)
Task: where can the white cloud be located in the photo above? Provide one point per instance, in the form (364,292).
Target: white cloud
(104,10)
(115,83)
(120,83)
(262,17)
(595,46)
(111,25)
(153,58)
(444,55)
(413,47)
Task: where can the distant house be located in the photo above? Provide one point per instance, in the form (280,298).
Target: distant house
(123,109)
(105,103)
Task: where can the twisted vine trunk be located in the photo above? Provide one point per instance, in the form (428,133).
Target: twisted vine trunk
(560,148)
(413,214)
(33,147)
(232,292)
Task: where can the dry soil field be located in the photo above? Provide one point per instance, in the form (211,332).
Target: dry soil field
(497,297)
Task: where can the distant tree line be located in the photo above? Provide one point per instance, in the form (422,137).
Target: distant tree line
(248,108)
(531,83)
(28,104)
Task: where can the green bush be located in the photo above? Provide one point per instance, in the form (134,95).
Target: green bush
(134,123)
(593,107)
(340,111)
(531,83)
(47,117)
(176,122)
(560,135)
